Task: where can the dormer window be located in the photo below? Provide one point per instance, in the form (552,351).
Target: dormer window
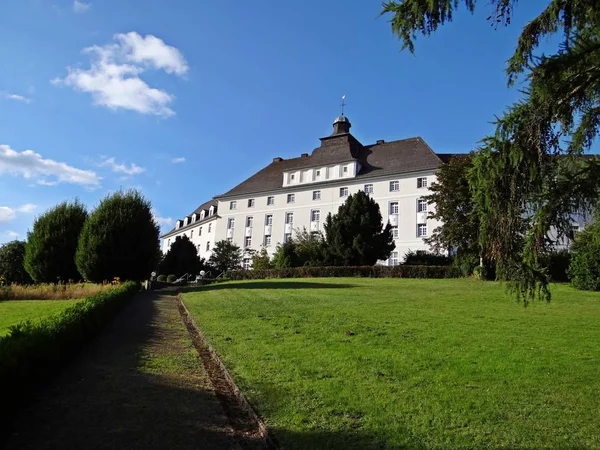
(292,177)
(250,203)
(185,221)
(345,169)
(178,224)
(211,211)
(318,173)
(232,205)
(202,215)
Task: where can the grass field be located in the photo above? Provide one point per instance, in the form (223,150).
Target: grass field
(399,363)
(13,312)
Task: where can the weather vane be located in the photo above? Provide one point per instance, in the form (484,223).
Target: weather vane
(343,103)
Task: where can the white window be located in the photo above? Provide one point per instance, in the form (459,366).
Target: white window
(395,232)
(422,182)
(209,227)
(393,207)
(421,230)
(289,218)
(177,224)
(207,246)
(232,204)
(287,237)
(246,263)
(291,198)
(345,169)
(200,231)
(168,242)
(249,221)
(269,219)
(394,186)
(230,223)
(368,188)
(250,203)
(191,234)
(421,205)
(270,200)
(202,215)
(211,211)
(316,195)
(292,177)
(199,247)
(315,215)
(344,192)
(248,242)
(185,222)
(194,217)
(318,173)
(267,240)
(393,261)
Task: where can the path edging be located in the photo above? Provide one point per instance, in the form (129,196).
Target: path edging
(265,435)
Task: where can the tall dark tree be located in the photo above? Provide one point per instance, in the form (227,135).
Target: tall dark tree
(521,194)
(52,243)
(226,256)
(12,258)
(181,258)
(454,207)
(355,236)
(120,239)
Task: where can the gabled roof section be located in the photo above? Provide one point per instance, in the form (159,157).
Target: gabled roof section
(383,158)
(204,206)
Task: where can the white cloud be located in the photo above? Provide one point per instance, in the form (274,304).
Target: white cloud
(162,221)
(16,97)
(81,7)
(114,80)
(132,169)
(178,160)
(11,235)
(31,165)
(7,213)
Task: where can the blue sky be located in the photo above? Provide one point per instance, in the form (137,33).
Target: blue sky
(185,99)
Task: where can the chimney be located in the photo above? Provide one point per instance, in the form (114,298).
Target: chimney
(304,155)
(277,159)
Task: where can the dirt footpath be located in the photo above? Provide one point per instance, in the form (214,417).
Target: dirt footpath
(140,385)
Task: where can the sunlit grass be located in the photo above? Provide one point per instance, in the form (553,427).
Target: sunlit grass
(51,291)
(399,363)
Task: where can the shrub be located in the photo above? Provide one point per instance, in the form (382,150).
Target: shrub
(584,269)
(52,243)
(12,258)
(348,271)
(171,278)
(120,239)
(225,256)
(182,258)
(32,352)
(162,278)
(558,265)
(425,258)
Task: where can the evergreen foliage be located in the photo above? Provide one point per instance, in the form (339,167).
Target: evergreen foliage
(51,245)
(182,258)
(261,260)
(226,256)
(120,239)
(425,258)
(584,269)
(12,258)
(528,178)
(355,236)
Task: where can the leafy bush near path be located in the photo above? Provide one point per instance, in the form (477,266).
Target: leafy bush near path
(32,353)
(348,271)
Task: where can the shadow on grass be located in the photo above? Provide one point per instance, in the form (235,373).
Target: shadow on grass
(265,284)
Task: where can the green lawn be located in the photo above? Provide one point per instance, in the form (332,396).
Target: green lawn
(399,363)
(15,311)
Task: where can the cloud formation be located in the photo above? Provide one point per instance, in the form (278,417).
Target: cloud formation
(113,77)
(162,221)
(81,7)
(7,213)
(31,165)
(11,235)
(178,160)
(16,97)
(132,169)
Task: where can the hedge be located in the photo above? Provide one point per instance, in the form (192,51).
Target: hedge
(34,352)
(348,271)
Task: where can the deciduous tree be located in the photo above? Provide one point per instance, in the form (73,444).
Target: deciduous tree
(226,256)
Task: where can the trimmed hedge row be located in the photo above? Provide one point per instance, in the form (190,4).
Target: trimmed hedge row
(348,271)
(33,352)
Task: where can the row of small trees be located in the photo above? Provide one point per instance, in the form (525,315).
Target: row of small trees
(119,239)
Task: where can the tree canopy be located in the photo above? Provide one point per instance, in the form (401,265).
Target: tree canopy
(355,236)
(12,257)
(528,178)
(120,239)
(226,256)
(181,258)
(51,244)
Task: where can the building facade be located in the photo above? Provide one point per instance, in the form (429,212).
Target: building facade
(298,193)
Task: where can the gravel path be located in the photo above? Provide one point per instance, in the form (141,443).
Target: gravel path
(141,385)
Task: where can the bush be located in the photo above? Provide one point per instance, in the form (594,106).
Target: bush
(171,278)
(51,245)
(348,271)
(120,239)
(12,268)
(182,258)
(162,278)
(558,265)
(584,269)
(425,258)
(32,352)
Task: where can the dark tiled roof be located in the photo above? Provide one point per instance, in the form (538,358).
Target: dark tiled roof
(383,158)
(204,206)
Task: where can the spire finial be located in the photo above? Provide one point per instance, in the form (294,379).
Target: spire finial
(343,103)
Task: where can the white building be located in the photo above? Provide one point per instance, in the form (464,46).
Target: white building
(291,194)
